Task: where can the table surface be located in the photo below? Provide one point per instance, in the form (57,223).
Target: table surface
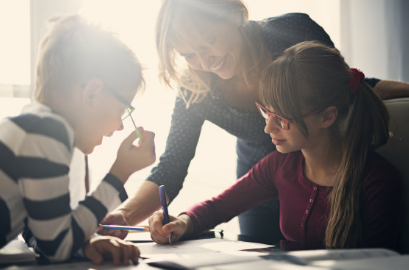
(281,245)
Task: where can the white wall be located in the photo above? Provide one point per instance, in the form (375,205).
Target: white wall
(41,11)
(375,37)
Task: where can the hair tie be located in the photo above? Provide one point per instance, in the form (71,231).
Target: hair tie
(356,78)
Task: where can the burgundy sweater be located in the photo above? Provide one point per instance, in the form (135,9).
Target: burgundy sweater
(304,205)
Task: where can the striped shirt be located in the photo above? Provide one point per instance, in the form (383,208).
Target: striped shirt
(36,150)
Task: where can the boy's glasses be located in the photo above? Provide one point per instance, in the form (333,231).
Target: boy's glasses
(282,122)
(129,108)
(127,112)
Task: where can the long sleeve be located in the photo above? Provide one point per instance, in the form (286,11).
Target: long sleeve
(180,149)
(253,188)
(35,186)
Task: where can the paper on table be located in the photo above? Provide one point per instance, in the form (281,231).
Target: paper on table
(194,260)
(228,246)
(197,246)
(139,237)
(197,253)
(263,264)
(185,247)
(16,251)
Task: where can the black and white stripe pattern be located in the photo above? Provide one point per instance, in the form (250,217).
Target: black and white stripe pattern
(36,149)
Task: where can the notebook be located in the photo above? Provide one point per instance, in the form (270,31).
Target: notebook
(17,251)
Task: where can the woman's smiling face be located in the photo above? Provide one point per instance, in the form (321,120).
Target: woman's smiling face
(219,51)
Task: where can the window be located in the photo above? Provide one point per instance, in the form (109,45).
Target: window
(15,48)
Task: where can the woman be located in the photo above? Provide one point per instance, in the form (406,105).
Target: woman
(216,56)
(334,189)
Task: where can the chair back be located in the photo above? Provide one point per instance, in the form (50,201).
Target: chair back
(396,151)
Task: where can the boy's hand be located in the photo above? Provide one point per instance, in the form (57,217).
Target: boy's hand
(112,248)
(117,218)
(131,157)
(176,228)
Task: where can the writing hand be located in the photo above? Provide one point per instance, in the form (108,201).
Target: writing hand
(160,233)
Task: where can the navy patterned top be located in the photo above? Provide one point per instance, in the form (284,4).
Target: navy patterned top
(253,144)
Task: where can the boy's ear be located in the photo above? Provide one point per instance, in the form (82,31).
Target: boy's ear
(329,116)
(92,91)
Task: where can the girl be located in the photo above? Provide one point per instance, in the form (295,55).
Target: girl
(334,190)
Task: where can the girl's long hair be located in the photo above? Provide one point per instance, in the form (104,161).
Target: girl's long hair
(312,76)
(178,23)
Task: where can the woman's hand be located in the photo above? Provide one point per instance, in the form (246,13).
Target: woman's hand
(176,228)
(106,247)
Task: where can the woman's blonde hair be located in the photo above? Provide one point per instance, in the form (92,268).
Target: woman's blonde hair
(74,50)
(178,22)
(311,76)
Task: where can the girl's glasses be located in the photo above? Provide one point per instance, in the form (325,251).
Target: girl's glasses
(282,122)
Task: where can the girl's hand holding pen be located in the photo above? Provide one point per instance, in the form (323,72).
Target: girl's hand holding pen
(131,157)
(176,228)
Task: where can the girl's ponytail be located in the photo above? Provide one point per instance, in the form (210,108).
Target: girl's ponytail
(366,129)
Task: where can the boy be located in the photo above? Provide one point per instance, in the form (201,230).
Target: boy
(86,80)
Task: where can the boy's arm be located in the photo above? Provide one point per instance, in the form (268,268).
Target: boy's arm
(44,161)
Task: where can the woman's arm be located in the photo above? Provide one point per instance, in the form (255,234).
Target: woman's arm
(142,204)
(387,89)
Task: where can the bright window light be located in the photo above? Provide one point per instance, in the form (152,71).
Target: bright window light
(15,42)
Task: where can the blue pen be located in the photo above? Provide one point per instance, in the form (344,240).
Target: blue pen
(125,228)
(164,203)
